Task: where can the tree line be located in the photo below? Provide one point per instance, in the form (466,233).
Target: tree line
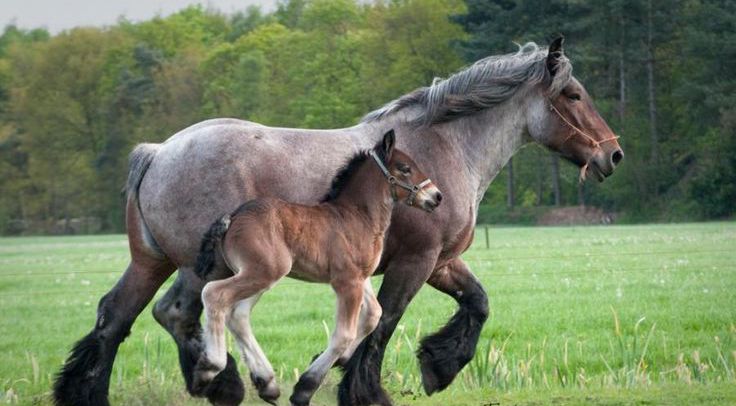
(73,104)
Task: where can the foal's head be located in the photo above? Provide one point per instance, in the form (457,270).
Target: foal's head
(408,183)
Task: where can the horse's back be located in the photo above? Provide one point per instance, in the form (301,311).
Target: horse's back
(209,168)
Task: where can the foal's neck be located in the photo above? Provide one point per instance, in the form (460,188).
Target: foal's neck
(367,193)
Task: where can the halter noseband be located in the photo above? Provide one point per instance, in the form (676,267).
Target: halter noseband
(595,143)
(393,181)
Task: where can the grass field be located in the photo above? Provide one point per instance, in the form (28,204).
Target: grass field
(588,315)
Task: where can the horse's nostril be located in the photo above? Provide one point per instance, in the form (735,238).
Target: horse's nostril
(438,197)
(617,156)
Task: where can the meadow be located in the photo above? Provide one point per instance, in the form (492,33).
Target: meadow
(579,315)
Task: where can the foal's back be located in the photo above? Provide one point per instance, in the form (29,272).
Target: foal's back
(272,235)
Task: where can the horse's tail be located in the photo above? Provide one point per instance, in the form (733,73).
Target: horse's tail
(208,248)
(138,162)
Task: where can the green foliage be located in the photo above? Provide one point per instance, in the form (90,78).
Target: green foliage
(72,105)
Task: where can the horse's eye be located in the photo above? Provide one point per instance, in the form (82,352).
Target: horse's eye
(574,96)
(404,168)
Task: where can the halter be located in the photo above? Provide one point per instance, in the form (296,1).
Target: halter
(595,143)
(393,181)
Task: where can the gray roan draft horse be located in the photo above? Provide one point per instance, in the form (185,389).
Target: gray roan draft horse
(462,130)
(338,241)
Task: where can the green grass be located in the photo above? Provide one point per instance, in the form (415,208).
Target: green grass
(584,315)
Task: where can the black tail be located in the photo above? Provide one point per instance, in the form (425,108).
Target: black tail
(208,249)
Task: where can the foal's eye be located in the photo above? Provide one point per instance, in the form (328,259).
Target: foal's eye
(574,96)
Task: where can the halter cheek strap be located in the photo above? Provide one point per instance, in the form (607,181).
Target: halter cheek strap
(577,131)
(393,182)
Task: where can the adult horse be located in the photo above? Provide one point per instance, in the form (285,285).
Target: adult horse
(462,130)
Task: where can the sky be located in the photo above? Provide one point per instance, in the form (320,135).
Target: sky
(58,15)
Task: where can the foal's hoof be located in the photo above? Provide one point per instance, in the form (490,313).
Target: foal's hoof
(268,389)
(204,373)
(227,388)
(303,390)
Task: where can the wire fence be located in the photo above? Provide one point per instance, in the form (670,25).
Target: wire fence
(620,269)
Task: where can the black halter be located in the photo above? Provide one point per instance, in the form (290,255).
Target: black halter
(393,182)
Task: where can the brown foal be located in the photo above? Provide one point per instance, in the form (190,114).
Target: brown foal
(338,241)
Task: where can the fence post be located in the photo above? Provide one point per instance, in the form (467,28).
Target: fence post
(488,244)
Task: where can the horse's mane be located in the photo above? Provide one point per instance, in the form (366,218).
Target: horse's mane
(482,85)
(346,172)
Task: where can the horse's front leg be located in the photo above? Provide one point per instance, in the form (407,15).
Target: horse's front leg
(349,298)
(178,311)
(443,354)
(404,275)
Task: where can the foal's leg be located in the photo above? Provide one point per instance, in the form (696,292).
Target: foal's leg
(261,371)
(443,354)
(349,298)
(404,275)
(178,311)
(218,298)
(370,313)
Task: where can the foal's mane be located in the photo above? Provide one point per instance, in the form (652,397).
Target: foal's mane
(347,171)
(484,84)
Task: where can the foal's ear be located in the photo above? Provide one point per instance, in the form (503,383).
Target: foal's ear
(554,54)
(389,140)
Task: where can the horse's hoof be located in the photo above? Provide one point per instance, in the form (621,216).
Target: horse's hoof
(436,376)
(268,389)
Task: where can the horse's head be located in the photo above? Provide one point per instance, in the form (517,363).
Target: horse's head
(408,182)
(566,121)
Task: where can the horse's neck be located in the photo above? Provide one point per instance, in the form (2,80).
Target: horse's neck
(487,141)
(367,193)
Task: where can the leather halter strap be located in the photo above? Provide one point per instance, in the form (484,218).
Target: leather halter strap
(595,143)
(393,181)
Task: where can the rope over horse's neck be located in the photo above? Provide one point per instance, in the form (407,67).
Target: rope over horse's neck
(595,143)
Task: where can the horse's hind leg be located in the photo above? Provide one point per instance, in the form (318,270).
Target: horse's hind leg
(261,371)
(443,354)
(85,377)
(178,311)
(349,298)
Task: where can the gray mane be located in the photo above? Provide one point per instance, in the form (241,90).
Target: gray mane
(482,85)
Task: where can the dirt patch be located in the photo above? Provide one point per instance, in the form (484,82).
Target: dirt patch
(575,215)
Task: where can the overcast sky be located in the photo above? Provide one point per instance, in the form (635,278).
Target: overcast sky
(57,15)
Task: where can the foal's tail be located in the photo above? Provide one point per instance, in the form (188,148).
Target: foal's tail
(208,249)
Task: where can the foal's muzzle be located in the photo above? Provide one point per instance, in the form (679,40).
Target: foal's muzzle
(429,198)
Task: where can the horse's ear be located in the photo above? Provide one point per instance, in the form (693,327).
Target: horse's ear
(389,140)
(554,54)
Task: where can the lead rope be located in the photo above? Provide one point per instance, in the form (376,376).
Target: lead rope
(596,144)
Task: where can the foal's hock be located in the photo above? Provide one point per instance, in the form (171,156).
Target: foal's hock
(338,241)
